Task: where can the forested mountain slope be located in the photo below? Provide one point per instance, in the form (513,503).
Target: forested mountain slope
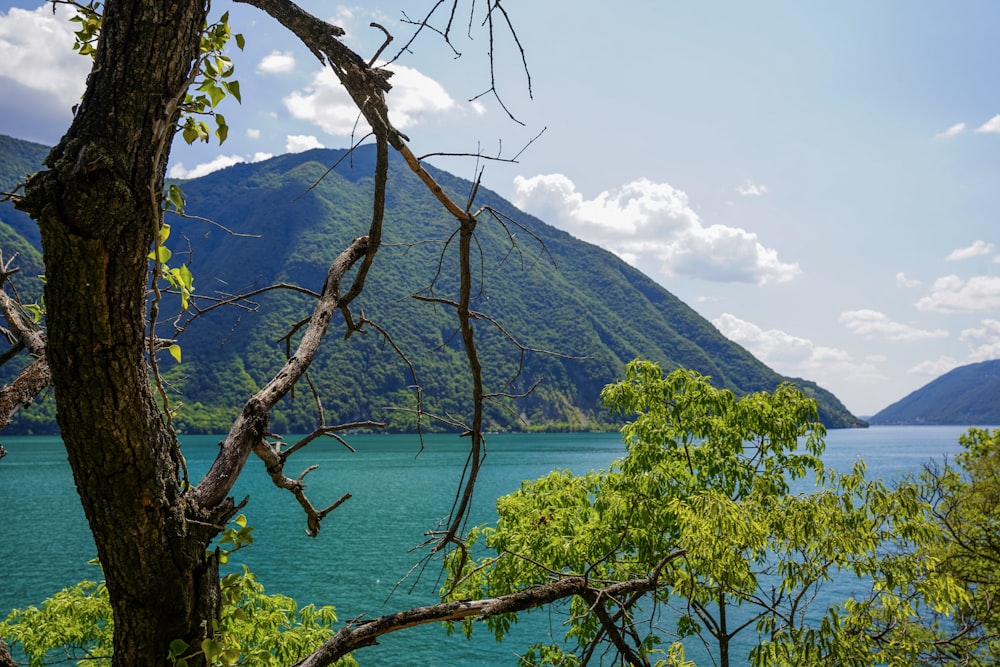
(967,396)
(285,219)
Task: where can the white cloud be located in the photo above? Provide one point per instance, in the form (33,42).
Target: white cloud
(984,342)
(903,281)
(36,51)
(277,62)
(326,104)
(253,133)
(978,248)
(873,324)
(750,189)
(644,221)
(991,126)
(954,130)
(951,294)
(297,143)
(797,357)
(934,368)
(220,162)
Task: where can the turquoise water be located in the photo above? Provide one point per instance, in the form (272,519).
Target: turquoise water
(399,491)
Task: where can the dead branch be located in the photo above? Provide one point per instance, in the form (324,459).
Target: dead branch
(274,463)
(250,427)
(330,431)
(367,87)
(359,633)
(31,381)
(229,232)
(24,389)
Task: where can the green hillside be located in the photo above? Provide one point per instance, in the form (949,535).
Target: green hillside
(966,396)
(548,290)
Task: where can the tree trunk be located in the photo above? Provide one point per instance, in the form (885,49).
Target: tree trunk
(723,632)
(98,207)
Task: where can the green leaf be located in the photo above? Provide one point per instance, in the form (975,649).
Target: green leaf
(234,89)
(35,311)
(178,646)
(222,131)
(175,197)
(185,277)
(240,40)
(213,90)
(189,133)
(212,649)
(160,252)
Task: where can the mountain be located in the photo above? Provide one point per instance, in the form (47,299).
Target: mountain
(580,311)
(968,395)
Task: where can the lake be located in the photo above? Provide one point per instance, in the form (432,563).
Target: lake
(399,491)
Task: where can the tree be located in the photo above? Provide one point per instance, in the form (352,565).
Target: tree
(713,500)
(99,205)
(965,496)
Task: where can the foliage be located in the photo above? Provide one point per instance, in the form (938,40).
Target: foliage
(729,500)
(214,83)
(75,622)
(254,629)
(966,498)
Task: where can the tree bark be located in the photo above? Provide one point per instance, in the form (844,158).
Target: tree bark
(98,208)
(5,658)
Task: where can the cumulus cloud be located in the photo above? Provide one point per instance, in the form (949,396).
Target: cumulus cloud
(977,249)
(253,133)
(990,126)
(644,221)
(36,51)
(220,162)
(908,283)
(873,324)
(984,341)
(750,189)
(795,356)
(297,143)
(954,130)
(276,62)
(951,294)
(934,368)
(325,103)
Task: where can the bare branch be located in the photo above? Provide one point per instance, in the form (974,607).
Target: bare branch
(388,39)
(330,431)
(34,378)
(230,232)
(23,390)
(250,427)
(358,634)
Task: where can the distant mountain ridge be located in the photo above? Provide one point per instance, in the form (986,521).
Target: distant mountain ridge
(550,291)
(965,396)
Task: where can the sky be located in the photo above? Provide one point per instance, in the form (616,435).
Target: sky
(821,181)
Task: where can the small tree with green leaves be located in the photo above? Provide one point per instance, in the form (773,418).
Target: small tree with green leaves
(965,496)
(723,503)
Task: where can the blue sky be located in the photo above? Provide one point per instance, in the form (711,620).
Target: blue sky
(819,180)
